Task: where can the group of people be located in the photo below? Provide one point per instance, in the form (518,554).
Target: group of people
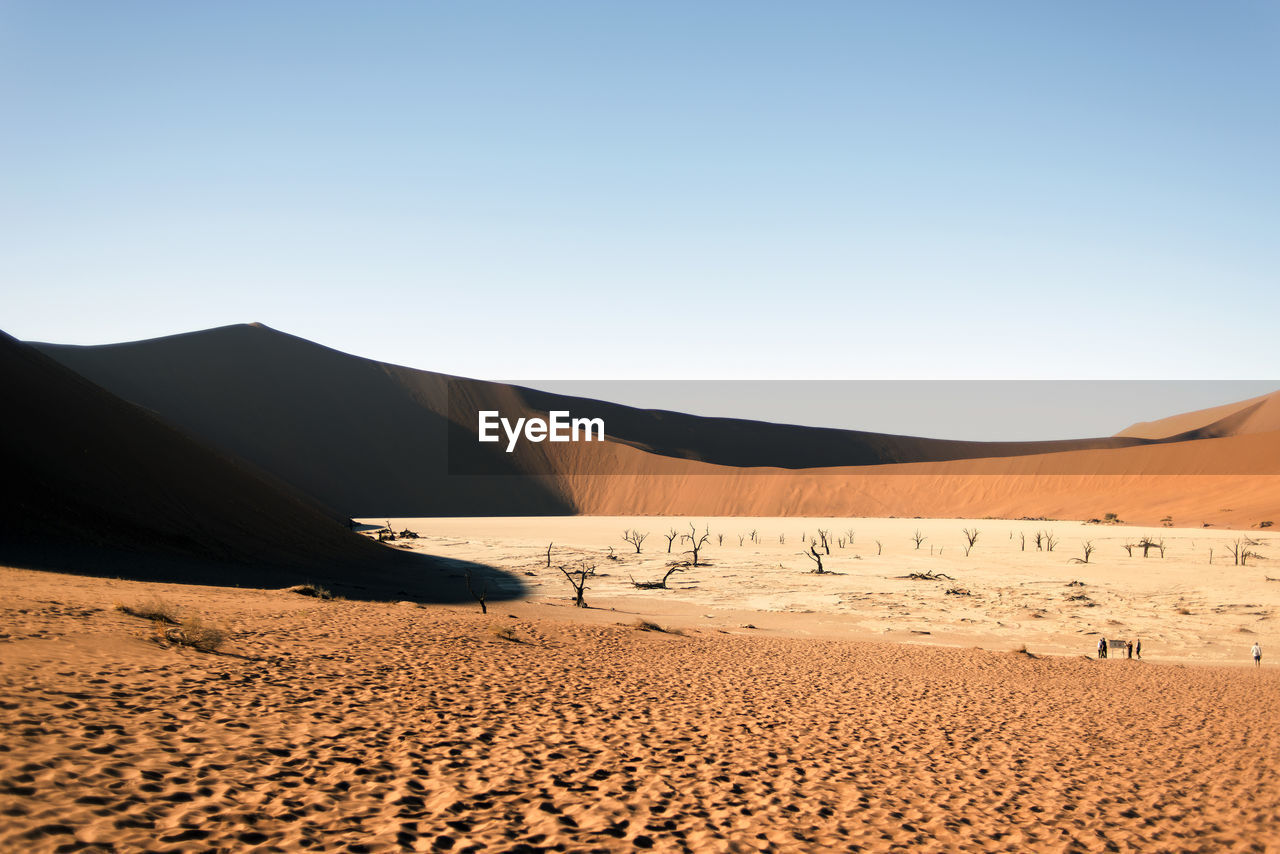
(1132,649)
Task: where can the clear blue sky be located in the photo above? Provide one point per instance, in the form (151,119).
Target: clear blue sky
(653,189)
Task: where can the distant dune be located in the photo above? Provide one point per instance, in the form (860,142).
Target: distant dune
(1141,485)
(1256,415)
(369,439)
(92,483)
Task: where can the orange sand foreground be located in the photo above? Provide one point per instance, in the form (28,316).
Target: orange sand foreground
(359,726)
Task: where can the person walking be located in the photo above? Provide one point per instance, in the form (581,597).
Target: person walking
(1128,650)
(1256,652)
(1102,647)
(1137,649)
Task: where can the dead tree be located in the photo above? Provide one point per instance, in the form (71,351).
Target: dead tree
(879,548)
(972,537)
(1087,548)
(754,538)
(671,538)
(635,538)
(1050,541)
(1240,551)
(1023,536)
(660,585)
(1039,541)
(578,579)
(840,542)
(695,540)
(1147,544)
(782,539)
(1234,550)
(549,545)
(848,535)
(918,538)
(479,596)
(816,557)
(741,538)
(720,539)
(822,536)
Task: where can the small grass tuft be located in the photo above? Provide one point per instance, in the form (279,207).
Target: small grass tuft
(506,633)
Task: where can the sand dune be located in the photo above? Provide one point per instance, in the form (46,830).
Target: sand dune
(1143,485)
(390,727)
(1256,415)
(94,484)
(198,379)
(374,439)
(359,436)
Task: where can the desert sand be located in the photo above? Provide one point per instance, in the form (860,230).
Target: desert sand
(366,726)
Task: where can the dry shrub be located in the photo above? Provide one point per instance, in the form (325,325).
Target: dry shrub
(648,626)
(193,632)
(506,633)
(155,609)
(312,590)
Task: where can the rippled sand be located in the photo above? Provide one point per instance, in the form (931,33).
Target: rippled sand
(360,726)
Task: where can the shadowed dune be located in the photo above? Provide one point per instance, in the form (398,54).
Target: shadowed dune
(363,437)
(375,439)
(94,484)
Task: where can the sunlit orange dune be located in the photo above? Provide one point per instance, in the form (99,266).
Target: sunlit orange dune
(1256,415)
(1233,481)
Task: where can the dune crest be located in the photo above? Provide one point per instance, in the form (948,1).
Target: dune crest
(1256,415)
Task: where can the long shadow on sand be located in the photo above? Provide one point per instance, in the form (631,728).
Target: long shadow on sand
(394,576)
